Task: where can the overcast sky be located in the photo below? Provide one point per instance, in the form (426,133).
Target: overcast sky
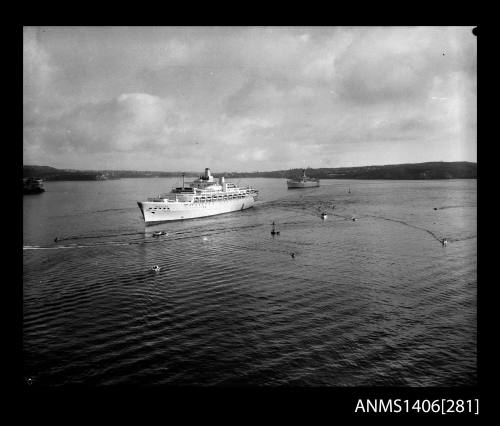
(247,98)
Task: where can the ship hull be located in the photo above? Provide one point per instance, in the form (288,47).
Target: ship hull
(302,184)
(159,212)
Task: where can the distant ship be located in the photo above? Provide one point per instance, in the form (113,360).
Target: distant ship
(205,196)
(302,182)
(33,185)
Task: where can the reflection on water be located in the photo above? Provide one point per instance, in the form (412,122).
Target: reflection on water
(375,301)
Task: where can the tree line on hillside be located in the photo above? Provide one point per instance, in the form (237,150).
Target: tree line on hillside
(434,170)
(430,170)
(53,174)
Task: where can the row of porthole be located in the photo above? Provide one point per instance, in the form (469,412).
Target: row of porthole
(211,201)
(225,199)
(202,201)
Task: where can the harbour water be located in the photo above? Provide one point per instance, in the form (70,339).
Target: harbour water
(376,301)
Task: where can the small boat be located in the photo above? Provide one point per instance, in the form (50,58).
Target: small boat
(156,268)
(159,233)
(33,185)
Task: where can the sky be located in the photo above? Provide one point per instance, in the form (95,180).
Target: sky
(247,98)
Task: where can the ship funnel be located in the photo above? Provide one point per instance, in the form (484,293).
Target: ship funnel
(207,172)
(222,180)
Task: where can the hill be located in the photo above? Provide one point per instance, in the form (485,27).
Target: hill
(50,173)
(416,171)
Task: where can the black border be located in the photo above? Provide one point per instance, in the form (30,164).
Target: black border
(285,402)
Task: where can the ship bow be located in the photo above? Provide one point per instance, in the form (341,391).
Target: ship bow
(142,209)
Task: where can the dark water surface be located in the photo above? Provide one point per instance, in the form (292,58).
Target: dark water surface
(376,301)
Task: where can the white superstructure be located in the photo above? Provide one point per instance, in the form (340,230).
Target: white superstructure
(205,196)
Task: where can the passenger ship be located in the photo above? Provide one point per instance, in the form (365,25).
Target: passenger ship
(303,182)
(205,196)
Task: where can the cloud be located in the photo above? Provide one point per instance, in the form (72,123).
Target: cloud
(37,69)
(126,123)
(399,64)
(247,98)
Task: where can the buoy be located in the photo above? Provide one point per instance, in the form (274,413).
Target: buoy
(293,255)
(55,239)
(444,242)
(277,232)
(156,268)
(273,231)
